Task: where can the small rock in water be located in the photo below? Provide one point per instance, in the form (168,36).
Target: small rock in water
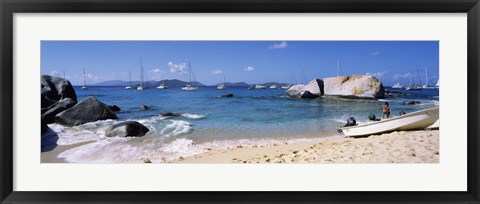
(146,160)
(170,114)
(228,95)
(126,129)
(115,108)
(144,107)
(411,102)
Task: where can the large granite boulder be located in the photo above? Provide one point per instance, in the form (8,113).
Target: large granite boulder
(55,89)
(296,91)
(48,114)
(87,110)
(362,86)
(315,87)
(311,90)
(126,129)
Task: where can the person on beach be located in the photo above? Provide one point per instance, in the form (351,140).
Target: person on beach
(385,110)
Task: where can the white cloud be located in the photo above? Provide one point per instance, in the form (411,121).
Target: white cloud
(157,71)
(92,78)
(377,74)
(178,68)
(398,76)
(281,45)
(249,69)
(156,74)
(217,71)
(77,79)
(55,73)
(375,53)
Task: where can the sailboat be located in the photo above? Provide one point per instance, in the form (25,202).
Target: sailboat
(140,86)
(426,86)
(189,86)
(438,84)
(162,85)
(259,86)
(397,86)
(274,85)
(130,77)
(222,85)
(414,86)
(287,86)
(304,78)
(84,87)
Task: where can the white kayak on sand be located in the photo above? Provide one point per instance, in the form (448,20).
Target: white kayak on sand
(413,121)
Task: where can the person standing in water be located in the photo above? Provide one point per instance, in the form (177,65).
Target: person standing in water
(385,110)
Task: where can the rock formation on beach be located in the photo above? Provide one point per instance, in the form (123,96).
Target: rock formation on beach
(49,113)
(316,87)
(54,89)
(313,89)
(361,86)
(115,108)
(126,129)
(87,110)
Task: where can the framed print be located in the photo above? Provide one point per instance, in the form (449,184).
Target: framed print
(211,101)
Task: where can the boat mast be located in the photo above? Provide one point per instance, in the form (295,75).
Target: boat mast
(304,78)
(141,72)
(190,73)
(146,78)
(193,73)
(418,75)
(130,77)
(84,81)
(426,76)
(338,67)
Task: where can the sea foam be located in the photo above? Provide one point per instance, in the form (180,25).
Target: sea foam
(193,116)
(176,127)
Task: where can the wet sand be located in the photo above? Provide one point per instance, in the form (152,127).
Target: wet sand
(52,156)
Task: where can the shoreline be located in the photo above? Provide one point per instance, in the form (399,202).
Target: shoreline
(397,147)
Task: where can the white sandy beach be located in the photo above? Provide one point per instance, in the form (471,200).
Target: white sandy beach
(396,147)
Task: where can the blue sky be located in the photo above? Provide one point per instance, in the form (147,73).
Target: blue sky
(247,61)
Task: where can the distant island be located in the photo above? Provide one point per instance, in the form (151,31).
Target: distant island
(175,83)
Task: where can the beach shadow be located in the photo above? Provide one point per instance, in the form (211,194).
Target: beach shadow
(49,140)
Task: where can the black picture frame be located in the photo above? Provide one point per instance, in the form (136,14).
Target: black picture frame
(10,7)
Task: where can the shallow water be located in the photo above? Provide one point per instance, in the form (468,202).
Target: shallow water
(251,117)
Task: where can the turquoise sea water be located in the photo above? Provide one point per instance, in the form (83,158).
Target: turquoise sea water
(208,121)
